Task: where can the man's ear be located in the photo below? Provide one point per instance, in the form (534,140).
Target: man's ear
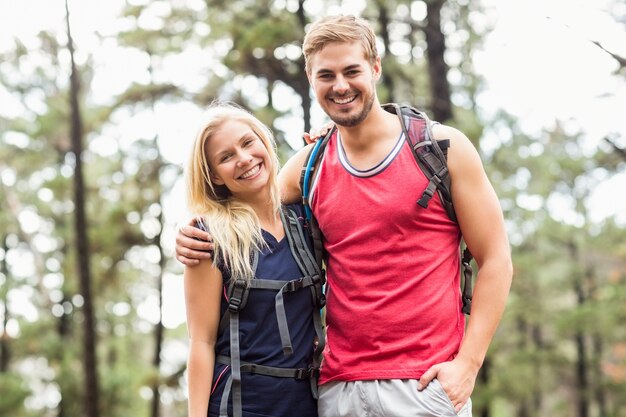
(377,68)
(308,77)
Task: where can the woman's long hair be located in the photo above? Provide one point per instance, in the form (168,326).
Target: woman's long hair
(233,224)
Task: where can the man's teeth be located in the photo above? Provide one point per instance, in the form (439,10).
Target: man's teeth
(344,100)
(251,172)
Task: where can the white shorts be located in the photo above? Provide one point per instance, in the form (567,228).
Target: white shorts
(386,398)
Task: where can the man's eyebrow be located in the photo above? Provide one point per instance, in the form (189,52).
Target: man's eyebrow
(348,68)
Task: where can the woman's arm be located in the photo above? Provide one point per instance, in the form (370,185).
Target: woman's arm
(203,291)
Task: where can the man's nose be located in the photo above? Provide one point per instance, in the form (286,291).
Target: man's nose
(341,85)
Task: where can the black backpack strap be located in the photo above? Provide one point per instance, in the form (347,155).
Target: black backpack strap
(236,303)
(430,154)
(281,287)
(237,299)
(253,368)
(466,260)
(313,275)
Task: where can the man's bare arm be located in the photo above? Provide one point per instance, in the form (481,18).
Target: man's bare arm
(482,225)
(289,176)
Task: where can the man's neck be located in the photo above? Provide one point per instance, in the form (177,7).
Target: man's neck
(369,143)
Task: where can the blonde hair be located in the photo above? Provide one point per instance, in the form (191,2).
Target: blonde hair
(332,29)
(233,224)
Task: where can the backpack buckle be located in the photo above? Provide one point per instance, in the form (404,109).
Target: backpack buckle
(294,285)
(467,305)
(301,374)
(306,373)
(236,301)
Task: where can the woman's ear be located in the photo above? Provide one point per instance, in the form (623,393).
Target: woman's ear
(216,179)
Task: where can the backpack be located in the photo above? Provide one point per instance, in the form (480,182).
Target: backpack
(430,155)
(237,296)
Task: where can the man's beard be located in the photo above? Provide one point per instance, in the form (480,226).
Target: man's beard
(350,121)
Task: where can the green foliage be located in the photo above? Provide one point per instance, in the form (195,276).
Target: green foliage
(569,286)
(13,395)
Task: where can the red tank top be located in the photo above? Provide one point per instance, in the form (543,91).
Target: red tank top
(394,304)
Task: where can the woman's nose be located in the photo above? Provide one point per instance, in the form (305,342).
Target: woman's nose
(244,158)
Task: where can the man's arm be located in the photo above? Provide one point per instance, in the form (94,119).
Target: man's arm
(193,244)
(289,176)
(482,225)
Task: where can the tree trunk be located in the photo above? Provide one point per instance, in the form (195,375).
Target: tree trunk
(483,377)
(581,368)
(383,18)
(155,181)
(537,338)
(5,348)
(523,409)
(302,89)
(581,375)
(159,329)
(82,241)
(437,68)
(64,330)
(597,344)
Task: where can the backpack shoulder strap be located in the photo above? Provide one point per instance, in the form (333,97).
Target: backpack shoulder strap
(306,181)
(313,277)
(432,157)
(309,168)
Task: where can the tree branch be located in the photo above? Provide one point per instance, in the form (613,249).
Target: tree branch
(621,152)
(620,59)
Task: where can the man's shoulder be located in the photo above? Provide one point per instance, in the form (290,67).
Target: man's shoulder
(289,175)
(441,131)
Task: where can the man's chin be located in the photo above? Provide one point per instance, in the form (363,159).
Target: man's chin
(348,121)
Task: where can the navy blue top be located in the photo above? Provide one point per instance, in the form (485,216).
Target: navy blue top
(260,343)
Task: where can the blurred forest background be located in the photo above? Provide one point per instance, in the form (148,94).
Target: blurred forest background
(89,200)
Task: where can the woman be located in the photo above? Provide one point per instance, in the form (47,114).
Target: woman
(253,310)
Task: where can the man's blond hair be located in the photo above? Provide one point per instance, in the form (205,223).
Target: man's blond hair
(333,29)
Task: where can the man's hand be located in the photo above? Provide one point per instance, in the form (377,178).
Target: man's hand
(316,133)
(457,378)
(193,244)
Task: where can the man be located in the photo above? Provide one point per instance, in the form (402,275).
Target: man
(397,344)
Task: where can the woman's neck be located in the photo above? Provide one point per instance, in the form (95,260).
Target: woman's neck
(271,221)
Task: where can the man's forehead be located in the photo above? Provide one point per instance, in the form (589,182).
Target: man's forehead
(338,54)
